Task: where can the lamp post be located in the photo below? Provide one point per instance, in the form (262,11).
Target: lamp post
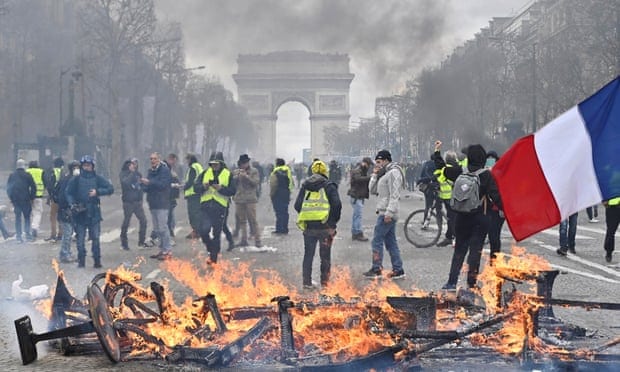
(75,76)
(534,103)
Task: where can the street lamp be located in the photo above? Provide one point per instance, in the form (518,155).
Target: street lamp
(75,75)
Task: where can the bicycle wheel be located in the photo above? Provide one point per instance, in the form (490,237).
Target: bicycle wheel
(420,233)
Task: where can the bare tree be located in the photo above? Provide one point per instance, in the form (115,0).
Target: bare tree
(113,32)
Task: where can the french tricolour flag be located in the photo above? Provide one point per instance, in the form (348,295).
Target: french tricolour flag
(571,163)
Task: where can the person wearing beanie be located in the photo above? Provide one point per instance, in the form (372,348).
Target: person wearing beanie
(21,189)
(358,192)
(281,184)
(386,181)
(247,179)
(319,208)
(470,228)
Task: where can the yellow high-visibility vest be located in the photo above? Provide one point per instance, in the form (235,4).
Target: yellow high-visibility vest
(223,179)
(614,201)
(315,207)
(445,185)
(198,168)
(291,184)
(37,176)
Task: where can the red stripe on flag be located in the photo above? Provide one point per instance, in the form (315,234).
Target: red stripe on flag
(528,203)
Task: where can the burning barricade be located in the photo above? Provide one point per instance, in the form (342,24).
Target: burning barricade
(252,317)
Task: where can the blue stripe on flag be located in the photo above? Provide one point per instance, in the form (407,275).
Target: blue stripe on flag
(601,113)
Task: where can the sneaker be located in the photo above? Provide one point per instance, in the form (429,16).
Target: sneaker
(449,287)
(97,265)
(572,250)
(311,286)
(444,242)
(165,256)
(231,246)
(561,252)
(360,237)
(50,239)
(372,274)
(147,244)
(593,220)
(608,256)
(157,256)
(396,274)
(124,248)
(243,243)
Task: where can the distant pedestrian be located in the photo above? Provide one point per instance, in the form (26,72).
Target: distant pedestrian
(157,188)
(37,204)
(612,219)
(386,182)
(21,190)
(246,180)
(83,194)
(281,184)
(194,169)
(358,192)
(446,172)
(335,172)
(496,215)
(51,177)
(172,163)
(568,232)
(132,197)
(64,216)
(319,207)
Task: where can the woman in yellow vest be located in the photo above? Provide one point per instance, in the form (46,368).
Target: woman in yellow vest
(612,219)
(319,207)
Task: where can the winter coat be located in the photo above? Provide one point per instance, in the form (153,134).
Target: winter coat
(247,185)
(476,159)
(77,193)
(131,188)
(315,183)
(21,188)
(158,188)
(387,185)
(359,183)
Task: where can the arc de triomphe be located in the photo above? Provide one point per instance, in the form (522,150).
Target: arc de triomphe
(318,81)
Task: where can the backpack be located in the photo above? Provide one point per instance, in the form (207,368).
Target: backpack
(466,192)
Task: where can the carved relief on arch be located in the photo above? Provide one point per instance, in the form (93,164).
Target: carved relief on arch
(255,102)
(304,97)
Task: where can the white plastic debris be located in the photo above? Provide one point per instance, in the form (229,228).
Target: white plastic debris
(33,293)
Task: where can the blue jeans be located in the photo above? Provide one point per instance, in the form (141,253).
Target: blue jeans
(19,212)
(94,231)
(385,234)
(568,230)
(280,207)
(311,237)
(356,223)
(159,217)
(65,244)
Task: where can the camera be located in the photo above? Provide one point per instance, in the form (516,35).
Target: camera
(213,182)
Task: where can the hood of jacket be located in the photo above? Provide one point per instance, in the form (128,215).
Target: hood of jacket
(315,182)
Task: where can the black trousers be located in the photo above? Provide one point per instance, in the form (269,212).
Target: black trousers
(129,209)
(213,215)
(311,237)
(495,229)
(470,230)
(612,218)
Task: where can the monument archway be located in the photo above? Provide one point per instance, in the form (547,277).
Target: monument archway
(318,81)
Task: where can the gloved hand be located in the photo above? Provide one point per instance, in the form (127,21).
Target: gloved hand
(331,231)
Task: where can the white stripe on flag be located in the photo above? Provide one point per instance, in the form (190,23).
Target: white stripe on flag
(564,151)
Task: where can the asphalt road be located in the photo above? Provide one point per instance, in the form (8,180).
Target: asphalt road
(585,276)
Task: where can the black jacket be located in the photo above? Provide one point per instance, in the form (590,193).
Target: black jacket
(476,159)
(158,189)
(359,183)
(21,188)
(315,183)
(131,188)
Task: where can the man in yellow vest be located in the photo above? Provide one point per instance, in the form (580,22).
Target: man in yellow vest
(446,173)
(37,204)
(194,169)
(612,219)
(281,184)
(215,186)
(319,207)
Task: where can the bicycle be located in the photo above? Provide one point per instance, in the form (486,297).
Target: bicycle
(425,232)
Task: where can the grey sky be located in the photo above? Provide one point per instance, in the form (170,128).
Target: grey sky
(387,41)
